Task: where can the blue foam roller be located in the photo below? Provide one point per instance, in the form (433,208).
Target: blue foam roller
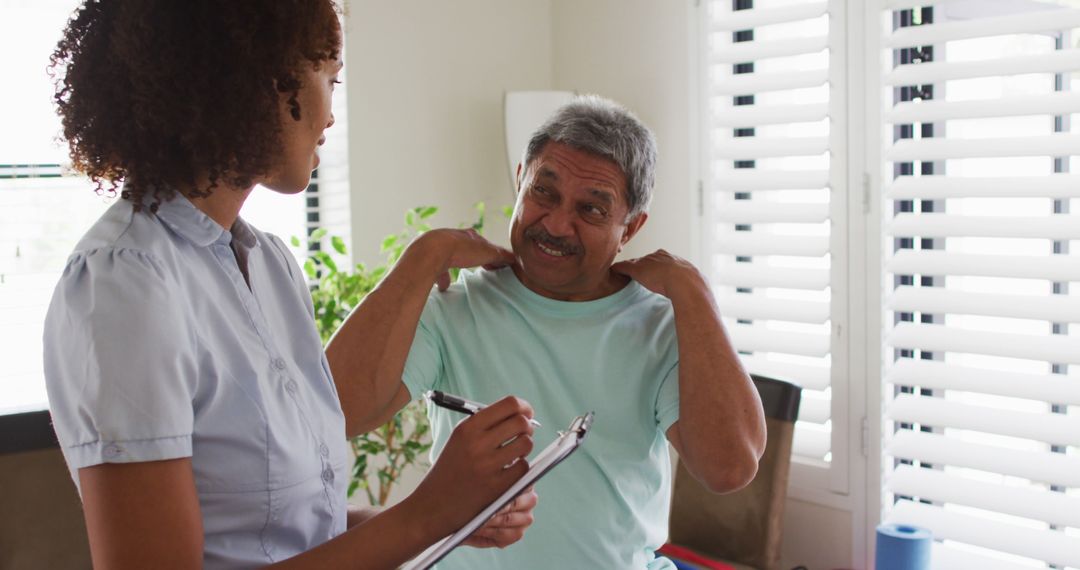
(903,547)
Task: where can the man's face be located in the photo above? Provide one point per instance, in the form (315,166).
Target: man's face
(569,223)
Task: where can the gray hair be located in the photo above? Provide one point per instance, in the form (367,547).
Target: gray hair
(602,127)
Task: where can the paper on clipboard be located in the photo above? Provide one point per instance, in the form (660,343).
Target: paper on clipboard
(552,455)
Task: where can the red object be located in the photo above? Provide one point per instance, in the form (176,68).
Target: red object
(692,557)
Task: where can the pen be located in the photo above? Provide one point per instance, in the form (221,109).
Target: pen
(459,404)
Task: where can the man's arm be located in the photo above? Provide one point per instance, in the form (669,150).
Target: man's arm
(367,354)
(720,434)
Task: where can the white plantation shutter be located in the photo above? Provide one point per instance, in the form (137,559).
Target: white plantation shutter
(772,85)
(982,375)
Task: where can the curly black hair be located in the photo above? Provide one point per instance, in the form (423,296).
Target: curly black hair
(160,93)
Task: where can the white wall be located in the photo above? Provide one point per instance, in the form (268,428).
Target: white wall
(426,81)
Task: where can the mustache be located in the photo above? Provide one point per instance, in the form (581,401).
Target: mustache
(539,234)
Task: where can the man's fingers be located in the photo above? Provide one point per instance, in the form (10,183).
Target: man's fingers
(443,281)
(624,267)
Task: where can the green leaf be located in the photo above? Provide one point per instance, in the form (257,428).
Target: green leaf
(427,212)
(508,211)
(338,244)
(409,218)
(295,241)
(309,268)
(388,242)
(318,234)
(326,260)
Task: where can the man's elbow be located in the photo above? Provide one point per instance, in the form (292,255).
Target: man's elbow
(730,473)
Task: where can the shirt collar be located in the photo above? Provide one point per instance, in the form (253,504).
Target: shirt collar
(195,226)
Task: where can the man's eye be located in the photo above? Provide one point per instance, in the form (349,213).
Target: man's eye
(595,211)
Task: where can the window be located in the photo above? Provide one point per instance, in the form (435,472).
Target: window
(982,349)
(976,103)
(45,209)
(775,146)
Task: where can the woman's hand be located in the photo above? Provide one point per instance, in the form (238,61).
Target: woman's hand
(508,525)
(484,456)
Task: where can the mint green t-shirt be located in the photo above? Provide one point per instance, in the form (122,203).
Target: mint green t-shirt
(606,506)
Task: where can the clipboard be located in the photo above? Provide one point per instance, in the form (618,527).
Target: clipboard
(564,445)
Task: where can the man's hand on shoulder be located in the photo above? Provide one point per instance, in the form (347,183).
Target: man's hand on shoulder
(444,249)
(663,273)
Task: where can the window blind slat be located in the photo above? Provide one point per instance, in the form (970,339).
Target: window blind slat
(1054,547)
(929,262)
(1046,506)
(937,338)
(809,377)
(1045,467)
(909,150)
(814,408)
(751,179)
(746,19)
(749,338)
(918,111)
(753,51)
(939,300)
(935,375)
(1059,429)
(757,115)
(1040,21)
(1059,227)
(762,82)
(811,440)
(888,5)
(760,275)
(950,557)
(943,187)
(747,306)
(751,148)
(936,72)
(762,243)
(767,212)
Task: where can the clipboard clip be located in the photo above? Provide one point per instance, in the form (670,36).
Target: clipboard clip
(580,425)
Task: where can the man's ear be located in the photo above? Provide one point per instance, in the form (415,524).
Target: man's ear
(517,179)
(632,228)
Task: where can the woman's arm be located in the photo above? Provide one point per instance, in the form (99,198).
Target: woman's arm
(142,515)
(146,515)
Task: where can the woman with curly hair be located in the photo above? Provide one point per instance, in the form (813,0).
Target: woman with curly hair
(195,407)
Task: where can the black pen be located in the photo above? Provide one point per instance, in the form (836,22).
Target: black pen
(459,404)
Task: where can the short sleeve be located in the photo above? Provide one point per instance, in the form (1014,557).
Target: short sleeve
(667,400)
(424,364)
(120,363)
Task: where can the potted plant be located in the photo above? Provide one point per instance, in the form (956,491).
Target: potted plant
(383,454)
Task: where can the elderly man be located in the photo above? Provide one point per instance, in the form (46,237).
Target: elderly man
(640,342)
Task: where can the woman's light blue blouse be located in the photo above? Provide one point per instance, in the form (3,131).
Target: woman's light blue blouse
(156,348)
